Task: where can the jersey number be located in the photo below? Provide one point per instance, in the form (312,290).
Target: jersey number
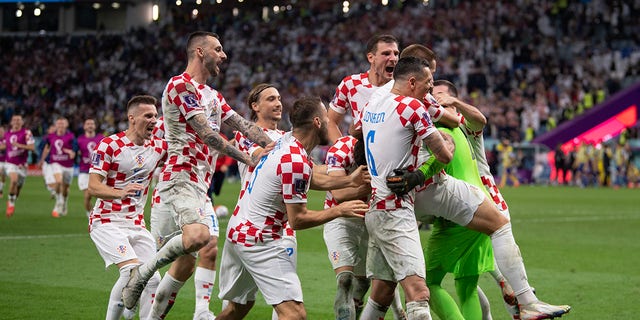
(372,164)
(255,173)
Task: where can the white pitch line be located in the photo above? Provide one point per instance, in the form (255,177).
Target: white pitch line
(43,236)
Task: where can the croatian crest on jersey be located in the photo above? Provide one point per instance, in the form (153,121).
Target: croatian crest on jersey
(122,249)
(300,185)
(139,161)
(335,256)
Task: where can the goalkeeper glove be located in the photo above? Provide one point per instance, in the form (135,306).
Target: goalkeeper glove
(402,181)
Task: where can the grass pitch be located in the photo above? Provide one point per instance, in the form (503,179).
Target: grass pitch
(581,247)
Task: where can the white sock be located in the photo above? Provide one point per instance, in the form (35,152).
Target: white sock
(343,306)
(165,296)
(418,310)
(372,310)
(115,306)
(12,199)
(148,295)
(167,254)
(509,261)
(396,305)
(203,280)
(484,305)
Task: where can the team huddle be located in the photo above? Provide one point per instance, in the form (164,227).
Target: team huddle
(414,154)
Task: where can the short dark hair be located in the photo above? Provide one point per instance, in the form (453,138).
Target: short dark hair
(408,66)
(197,36)
(372,44)
(418,50)
(450,86)
(254,96)
(140,99)
(304,110)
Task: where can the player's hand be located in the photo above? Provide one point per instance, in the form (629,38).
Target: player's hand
(132,190)
(353,209)
(360,176)
(255,159)
(445,99)
(402,181)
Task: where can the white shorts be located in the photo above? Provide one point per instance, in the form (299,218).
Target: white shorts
(20,170)
(450,198)
(47,173)
(118,244)
(347,243)
(290,243)
(186,203)
(395,251)
(66,173)
(268,268)
(83,181)
(164,223)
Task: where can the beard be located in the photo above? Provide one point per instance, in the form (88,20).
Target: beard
(211,66)
(324,136)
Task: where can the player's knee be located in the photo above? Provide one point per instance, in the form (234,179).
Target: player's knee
(195,239)
(345,281)
(210,251)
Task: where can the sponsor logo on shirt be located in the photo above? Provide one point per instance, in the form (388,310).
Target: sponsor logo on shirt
(96,158)
(331,161)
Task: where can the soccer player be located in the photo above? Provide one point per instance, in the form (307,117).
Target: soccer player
(47,168)
(354,91)
(193,113)
(87,142)
(18,142)
(59,147)
(480,215)
(473,123)
(3,157)
(346,239)
(253,257)
(121,169)
(394,125)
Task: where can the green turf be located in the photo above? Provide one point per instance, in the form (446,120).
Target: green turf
(580,247)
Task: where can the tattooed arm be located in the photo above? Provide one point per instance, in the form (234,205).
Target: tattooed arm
(249,129)
(214,140)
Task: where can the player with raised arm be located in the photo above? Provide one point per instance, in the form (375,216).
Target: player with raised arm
(193,113)
(394,125)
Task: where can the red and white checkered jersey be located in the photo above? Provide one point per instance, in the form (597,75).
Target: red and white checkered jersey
(393,128)
(182,99)
(476,140)
(353,93)
(249,147)
(340,158)
(283,176)
(158,129)
(435,110)
(121,162)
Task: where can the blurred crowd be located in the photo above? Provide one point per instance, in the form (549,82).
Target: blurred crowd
(528,65)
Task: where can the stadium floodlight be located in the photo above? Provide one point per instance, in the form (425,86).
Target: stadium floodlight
(115,5)
(18,13)
(37,12)
(155,12)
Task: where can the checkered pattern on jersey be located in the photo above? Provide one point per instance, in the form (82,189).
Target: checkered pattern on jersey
(353,93)
(282,177)
(121,162)
(340,158)
(247,146)
(468,131)
(496,196)
(182,99)
(158,129)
